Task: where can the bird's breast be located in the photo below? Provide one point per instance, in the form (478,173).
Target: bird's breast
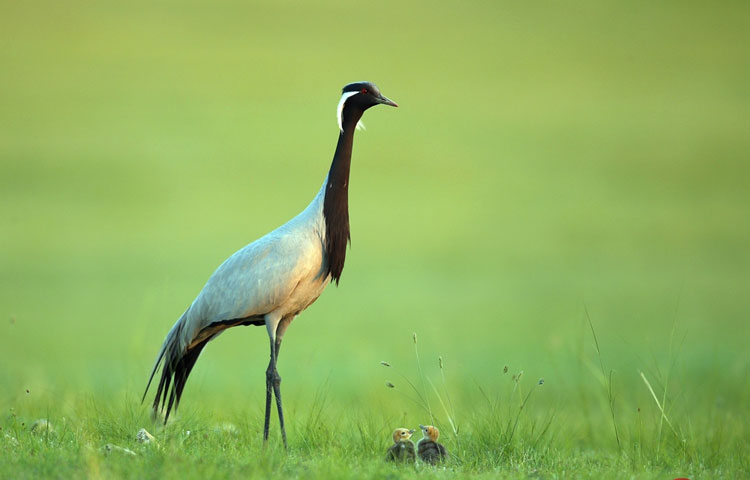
(310,278)
(305,293)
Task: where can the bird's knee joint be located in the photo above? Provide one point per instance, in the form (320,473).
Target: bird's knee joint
(273,377)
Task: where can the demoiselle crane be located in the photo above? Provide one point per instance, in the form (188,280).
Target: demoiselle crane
(402,449)
(428,448)
(270,281)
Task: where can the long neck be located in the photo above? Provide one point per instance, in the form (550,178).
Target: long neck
(336,202)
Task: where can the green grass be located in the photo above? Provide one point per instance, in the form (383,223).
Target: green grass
(554,170)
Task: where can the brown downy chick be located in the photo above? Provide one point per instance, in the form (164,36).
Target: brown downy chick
(402,449)
(429,450)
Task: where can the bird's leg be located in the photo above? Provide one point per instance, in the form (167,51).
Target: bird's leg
(273,383)
(269,385)
(277,391)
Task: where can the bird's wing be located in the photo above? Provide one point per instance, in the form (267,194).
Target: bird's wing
(441,450)
(402,451)
(428,451)
(392,454)
(410,450)
(256,279)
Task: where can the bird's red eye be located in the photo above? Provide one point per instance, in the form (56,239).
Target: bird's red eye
(364,90)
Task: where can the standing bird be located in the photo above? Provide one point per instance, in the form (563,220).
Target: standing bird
(270,281)
(429,450)
(402,449)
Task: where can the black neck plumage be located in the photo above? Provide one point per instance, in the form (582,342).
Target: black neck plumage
(336,202)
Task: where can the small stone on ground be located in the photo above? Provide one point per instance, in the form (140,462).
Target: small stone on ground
(144,437)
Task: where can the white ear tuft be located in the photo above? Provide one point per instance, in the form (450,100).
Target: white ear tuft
(340,108)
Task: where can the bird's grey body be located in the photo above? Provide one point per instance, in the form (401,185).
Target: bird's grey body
(402,451)
(273,279)
(431,452)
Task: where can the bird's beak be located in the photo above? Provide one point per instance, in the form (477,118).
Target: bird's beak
(411,431)
(387,101)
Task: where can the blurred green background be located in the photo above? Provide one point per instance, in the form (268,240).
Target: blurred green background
(546,156)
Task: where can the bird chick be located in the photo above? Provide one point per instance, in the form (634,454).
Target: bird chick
(428,448)
(402,449)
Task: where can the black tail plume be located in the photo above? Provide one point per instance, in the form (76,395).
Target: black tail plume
(176,363)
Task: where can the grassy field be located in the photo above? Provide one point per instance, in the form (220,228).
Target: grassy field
(562,195)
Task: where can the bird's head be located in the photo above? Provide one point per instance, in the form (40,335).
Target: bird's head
(430,432)
(401,435)
(357,97)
